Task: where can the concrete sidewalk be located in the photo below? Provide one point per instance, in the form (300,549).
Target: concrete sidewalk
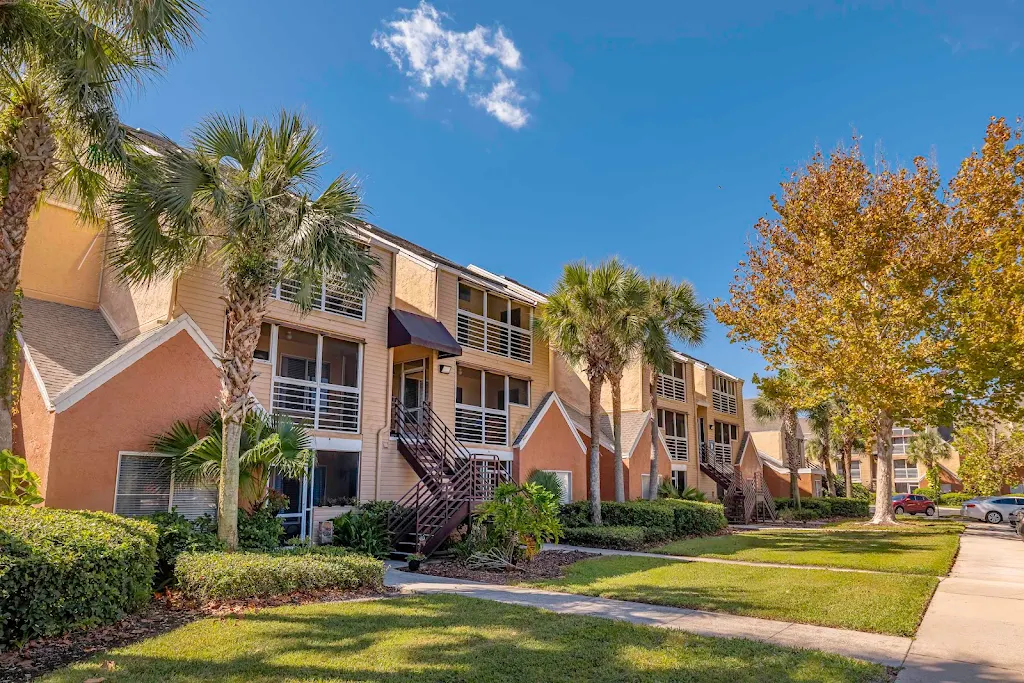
(872,647)
(973,629)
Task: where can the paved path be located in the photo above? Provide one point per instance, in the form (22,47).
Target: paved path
(711,560)
(973,629)
(888,650)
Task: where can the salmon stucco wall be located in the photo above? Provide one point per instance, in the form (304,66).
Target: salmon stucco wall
(175,381)
(778,484)
(553,446)
(33,429)
(639,464)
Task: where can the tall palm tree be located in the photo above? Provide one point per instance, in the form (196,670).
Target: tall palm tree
(928,449)
(579,321)
(671,310)
(820,416)
(779,400)
(63,66)
(240,198)
(269,443)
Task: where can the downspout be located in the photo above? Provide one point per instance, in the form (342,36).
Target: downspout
(387,392)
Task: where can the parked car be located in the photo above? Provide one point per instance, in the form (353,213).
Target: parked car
(912,503)
(992,509)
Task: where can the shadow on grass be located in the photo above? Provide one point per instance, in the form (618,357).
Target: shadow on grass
(451,638)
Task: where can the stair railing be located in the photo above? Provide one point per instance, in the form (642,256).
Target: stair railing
(720,467)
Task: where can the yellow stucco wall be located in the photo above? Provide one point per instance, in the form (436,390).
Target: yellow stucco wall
(131,311)
(62,258)
(415,286)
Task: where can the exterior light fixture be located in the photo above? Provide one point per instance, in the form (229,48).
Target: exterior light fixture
(445,369)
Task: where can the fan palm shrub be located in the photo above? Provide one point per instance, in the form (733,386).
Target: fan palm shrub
(779,400)
(548,481)
(928,450)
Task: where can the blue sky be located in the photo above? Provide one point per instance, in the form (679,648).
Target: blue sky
(654,131)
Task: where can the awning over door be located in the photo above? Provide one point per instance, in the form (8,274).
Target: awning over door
(411,328)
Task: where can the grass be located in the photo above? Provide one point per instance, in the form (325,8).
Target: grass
(913,549)
(450,638)
(880,603)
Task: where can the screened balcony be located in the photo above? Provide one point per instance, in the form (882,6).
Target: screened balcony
(723,395)
(331,296)
(672,385)
(481,405)
(673,428)
(494,324)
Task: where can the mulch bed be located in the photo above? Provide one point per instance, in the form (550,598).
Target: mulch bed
(547,564)
(166,613)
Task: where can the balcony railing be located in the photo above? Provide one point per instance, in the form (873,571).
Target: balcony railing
(673,388)
(322,406)
(493,336)
(723,402)
(677,450)
(723,452)
(481,425)
(332,297)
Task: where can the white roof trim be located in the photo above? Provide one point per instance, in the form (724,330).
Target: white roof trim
(496,286)
(126,357)
(552,399)
(512,286)
(640,433)
(35,372)
(416,258)
(373,238)
(333,443)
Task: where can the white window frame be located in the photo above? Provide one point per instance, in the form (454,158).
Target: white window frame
(481,409)
(141,454)
(567,493)
(488,322)
(674,441)
(723,394)
(529,392)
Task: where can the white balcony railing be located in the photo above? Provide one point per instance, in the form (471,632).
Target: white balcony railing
(723,402)
(481,425)
(723,452)
(332,297)
(677,450)
(493,336)
(673,388)
(322,406)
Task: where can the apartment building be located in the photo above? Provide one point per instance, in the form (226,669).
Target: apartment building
(769,450)
(907,477)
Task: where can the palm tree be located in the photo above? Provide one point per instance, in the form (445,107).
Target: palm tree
(240,197)
(779,400)
(820,416)
(269,443)
(63,66)
(928,449)
(579,321)
(671,310)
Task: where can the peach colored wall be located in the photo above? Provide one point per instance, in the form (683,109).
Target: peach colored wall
(62,258)
(33,429)
(415,286)
(132,310)
(175,381)
(640,464)
(552,446)
(778,484)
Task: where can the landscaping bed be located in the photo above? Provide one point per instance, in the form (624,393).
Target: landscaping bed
(547,564)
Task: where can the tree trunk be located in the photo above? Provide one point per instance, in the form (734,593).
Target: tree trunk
(652,486)
(883,489)
(869,458)
(830,477)
(595,449)
(33,147)
(792,457)
(620,488)
(848,465)
(245,308)
(7,400)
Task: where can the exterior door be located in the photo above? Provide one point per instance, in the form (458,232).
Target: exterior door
(411,386)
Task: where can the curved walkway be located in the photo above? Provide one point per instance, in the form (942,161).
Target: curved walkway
(871,647)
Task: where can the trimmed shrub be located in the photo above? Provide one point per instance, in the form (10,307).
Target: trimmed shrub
(575,514)
(646,513)
(260,529)
(955,499)
(62,569)
(849,507)
(823,508)
(176,535)
(693,518)
(225,576)
(616,537)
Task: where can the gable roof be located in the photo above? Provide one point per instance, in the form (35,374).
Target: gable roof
(549,399)
(634,422)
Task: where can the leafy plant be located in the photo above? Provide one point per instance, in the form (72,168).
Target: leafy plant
(667,489)
(18,484)
(364,532)
(547,480)
(616,537)
(176,535)
(472,541)
(521,518)
(693,493)
(260,529)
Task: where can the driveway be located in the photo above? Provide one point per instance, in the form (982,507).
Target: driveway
(973,629)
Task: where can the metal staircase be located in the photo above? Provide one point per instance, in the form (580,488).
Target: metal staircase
(718,466)
(452,481)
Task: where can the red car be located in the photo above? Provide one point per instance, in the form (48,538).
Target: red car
(912,503)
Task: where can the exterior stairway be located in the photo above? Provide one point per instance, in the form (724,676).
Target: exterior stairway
(716,465)
(452,481)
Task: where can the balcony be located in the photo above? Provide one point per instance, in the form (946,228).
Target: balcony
(672,388)
(492,336)
(332,297)
(677,449)
(481,425)
(321,406)
(723,402)
(723,452)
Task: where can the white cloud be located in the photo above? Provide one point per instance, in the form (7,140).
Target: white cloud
(473,62)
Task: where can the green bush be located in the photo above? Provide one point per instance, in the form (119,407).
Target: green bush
(575,514)
(955,499)
(364,532)
(824,508)
(259,530)
(61,570)
(694,518)
(647,513)
(224,576)
(521,518)
(176,535)
(849,507)
(616,537)
(861,492)
(18,484)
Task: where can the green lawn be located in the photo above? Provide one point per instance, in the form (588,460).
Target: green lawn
(882,603)
(450,638)
(914,549)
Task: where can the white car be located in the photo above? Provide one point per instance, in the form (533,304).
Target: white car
(992,509)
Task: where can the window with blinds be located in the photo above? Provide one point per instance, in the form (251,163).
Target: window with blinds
(145,485)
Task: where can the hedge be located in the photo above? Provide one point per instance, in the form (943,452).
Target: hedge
(955,499)
(62,569)
(220,576)
(819,508)
(693,518)
(646,513)
(616,537)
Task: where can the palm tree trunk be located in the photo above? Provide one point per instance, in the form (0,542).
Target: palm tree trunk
(595,449)
(620,489)
(826,455)
(652,486)
(793,458)
(883,489)
(848,465)
(33,147)
(245,309)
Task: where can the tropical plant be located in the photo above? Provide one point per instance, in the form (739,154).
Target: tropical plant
(929,450)
(521,517)
(364,532)
(670,310)
(548,481)
(694,494)
(241,198)
(269,443)
(779,400)
(666,489)
(820,417)
(64,67)
(580,321)
(18,484)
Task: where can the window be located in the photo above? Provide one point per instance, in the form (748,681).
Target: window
(672,384)
(903,487)
(645,482)
(900,440)
(723,396)
(146,485)
(494,323)
(263,345)
(481,410)
(565,480)
(336,478)
(679,480)
(725,432)
(855,471)
(518,392)
(673,427)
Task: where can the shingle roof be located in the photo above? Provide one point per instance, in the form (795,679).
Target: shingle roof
(633,422)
